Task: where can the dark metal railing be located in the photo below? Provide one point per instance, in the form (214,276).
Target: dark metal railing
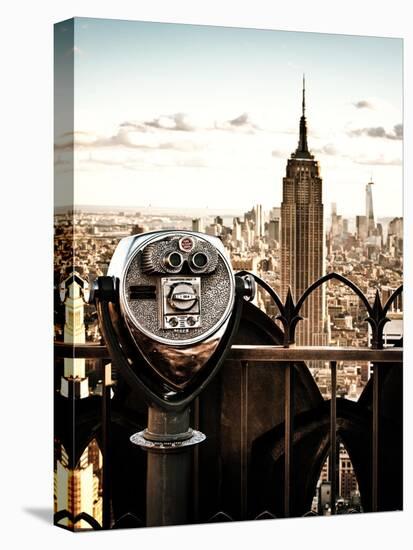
(333,435)
(253,356)
(289,311)
(288,354)
(258,353)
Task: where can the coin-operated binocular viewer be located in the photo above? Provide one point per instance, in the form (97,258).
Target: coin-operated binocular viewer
(169,309)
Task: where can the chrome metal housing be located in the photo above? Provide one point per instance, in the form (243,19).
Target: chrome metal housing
(127,250)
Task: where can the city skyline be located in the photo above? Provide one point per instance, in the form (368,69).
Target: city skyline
(225,127)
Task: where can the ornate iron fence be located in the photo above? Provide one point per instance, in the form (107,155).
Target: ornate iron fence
(256,356)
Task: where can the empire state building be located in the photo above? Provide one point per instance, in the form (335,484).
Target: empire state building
(302,237)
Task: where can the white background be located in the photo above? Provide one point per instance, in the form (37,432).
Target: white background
(26,129)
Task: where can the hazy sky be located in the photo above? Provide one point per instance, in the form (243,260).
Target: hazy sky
(182,115)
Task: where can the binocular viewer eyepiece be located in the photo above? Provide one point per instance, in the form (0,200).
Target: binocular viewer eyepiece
(168,309)
(174,261)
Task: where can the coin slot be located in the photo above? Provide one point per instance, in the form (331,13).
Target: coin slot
(142,292)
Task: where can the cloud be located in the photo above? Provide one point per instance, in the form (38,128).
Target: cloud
(363,104)
(178,122)
(379,132)
(77,133)
(137,126)
(68,140)
(161,133)
(380,161)
(328,149)
(398,131)
(183,146)
(241,123)
(139,163)
(107,162)
(123,138)
(182,122)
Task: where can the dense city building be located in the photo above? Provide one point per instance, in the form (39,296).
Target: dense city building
(348,496)
(302,237)
(78,489)
(369,209)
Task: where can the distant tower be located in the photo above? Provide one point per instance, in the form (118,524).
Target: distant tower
(236,231)
(74,382)
(369,209)
(361,225)
(259,221)
(197,225)
(302,237)
(334,219)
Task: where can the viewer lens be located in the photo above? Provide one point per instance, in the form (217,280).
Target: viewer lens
(174,259)
(199,260)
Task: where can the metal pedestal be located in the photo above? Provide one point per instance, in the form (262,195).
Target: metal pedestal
(168,439)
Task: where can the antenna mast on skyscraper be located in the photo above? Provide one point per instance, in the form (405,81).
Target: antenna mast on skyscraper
(302,149)
(303,94)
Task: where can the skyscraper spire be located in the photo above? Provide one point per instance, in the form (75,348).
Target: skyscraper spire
(302,149)
(303,95)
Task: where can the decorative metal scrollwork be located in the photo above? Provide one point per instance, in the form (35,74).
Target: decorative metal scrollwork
(289,312)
